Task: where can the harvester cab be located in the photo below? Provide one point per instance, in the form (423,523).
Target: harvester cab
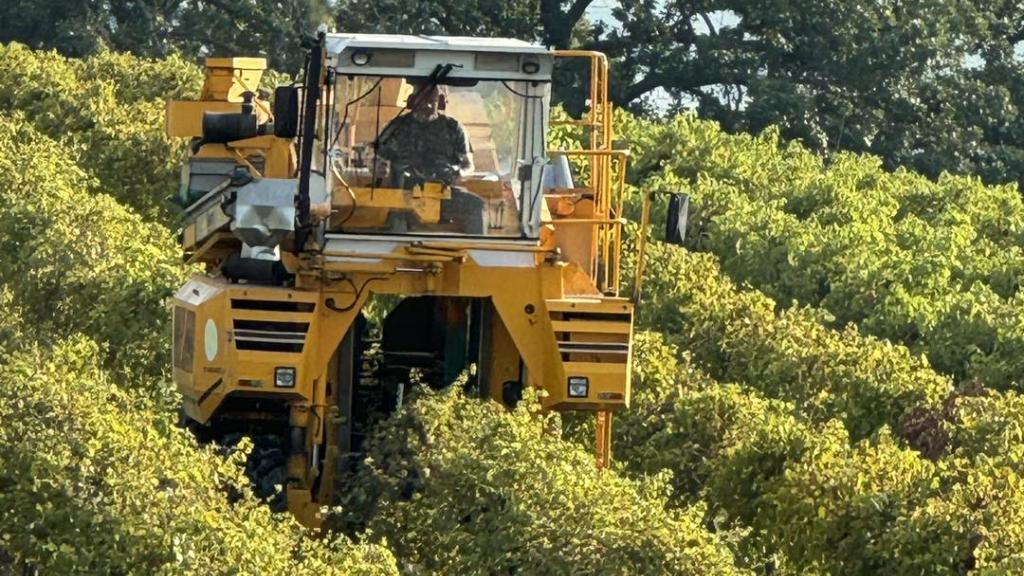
(414,170)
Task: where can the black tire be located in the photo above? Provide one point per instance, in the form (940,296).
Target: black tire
(266,467)
(267,470)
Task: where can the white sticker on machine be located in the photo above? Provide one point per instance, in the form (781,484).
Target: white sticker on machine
(210,340)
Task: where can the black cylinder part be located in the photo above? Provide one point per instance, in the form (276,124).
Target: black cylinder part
(224,127)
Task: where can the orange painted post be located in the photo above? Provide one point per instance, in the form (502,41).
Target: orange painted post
(604,439)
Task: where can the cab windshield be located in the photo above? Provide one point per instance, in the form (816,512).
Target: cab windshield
(411,156)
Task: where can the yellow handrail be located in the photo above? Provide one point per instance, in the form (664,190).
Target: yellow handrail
(605,250)
(584,152)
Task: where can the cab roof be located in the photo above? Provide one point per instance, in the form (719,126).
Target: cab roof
(336,42)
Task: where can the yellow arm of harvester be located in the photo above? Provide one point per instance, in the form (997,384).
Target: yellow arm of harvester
(645,221)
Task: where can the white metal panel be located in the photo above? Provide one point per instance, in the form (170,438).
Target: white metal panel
(337,243)
(197,290)
(502,259)
(385,245)
(340,243)
(431,51)
(336,42)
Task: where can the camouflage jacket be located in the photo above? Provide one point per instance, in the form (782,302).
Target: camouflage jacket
(430,150)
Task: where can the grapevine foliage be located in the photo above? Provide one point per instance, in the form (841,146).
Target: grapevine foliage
(96,481)
(460,486)
(824,382)
(79,262)
(106,113)
(932,265)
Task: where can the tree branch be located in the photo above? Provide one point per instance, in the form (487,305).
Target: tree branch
(707,22)
(650,82)
(1016,37)
(558,24)
(694,80)
(575,13)
(549,16)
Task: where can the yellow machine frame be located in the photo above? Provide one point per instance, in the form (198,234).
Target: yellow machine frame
(559,318)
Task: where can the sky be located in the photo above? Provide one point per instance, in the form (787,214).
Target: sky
(601,10)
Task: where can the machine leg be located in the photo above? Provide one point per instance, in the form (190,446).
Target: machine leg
(604,438)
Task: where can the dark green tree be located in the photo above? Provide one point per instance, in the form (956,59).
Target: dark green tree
(552,22)
(897,79)
(160,27)
(934,85)
(517,18)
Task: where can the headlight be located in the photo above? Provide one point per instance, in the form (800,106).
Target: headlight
(284,377)
(360,58)
(579,386)
(531,67)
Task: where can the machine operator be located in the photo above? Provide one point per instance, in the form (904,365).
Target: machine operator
(426,145)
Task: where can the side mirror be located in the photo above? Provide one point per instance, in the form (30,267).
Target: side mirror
(286,111)
(675,222)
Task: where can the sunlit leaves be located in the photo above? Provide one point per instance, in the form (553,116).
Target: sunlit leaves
(458,485)
(933,265)
(96,481)
(79,262)
(107,114)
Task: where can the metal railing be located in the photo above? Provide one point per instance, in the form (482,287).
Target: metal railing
(607,175)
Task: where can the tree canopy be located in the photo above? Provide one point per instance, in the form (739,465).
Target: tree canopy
(160,28)
(932,85)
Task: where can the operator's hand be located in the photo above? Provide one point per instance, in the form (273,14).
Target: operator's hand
(465,166)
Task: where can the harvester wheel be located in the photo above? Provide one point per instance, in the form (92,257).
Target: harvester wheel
(266,466)
(267,469)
